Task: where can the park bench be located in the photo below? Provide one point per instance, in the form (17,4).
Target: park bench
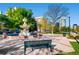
(77,39)
(36,43)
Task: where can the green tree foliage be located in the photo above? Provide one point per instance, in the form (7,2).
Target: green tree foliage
(33,25)
(16,15)
(56,29)
(64,29)
(5,21)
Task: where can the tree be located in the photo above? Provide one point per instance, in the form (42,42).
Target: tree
(43,24)
(33,25)
(49,27)
(56,29)
(16,15)
(55,12)
(65,29)
(5,21)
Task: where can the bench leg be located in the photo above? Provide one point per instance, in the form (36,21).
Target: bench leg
(32,49)
(51,49)
(24,50)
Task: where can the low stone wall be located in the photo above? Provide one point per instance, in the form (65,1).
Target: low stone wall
(56,35)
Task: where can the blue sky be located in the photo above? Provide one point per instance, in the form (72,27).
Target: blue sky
(39,9)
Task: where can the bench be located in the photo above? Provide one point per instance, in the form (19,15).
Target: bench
(36,43)
(77,39)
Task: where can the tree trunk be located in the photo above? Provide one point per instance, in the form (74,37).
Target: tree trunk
(52,29)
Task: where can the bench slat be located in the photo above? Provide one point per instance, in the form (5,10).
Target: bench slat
(36,43)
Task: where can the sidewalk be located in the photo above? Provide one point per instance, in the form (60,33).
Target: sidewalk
(62,44)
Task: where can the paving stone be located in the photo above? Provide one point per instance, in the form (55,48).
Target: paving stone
(61,43)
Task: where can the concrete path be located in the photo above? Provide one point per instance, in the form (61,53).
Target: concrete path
(62,43)
(16,46)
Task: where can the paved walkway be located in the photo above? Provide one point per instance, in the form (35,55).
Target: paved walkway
(62,43)
(15,46)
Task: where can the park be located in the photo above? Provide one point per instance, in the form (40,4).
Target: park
(22,33)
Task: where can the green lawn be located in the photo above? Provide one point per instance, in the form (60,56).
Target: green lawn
(75,45)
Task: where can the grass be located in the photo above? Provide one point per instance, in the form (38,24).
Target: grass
(75,45)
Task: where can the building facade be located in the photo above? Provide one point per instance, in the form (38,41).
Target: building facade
(42,24)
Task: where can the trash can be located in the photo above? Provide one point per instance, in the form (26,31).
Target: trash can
(64,34)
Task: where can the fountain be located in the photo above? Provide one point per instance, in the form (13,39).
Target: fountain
(25,27)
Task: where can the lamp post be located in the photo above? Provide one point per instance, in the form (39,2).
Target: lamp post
(69,25)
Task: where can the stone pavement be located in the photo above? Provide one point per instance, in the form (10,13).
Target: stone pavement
(62,43)
(16,47)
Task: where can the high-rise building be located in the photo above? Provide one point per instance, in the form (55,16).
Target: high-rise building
(57,24)
(62,22)
(75,27)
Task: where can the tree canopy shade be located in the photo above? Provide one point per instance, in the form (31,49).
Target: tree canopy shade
(16,15)
(55,12)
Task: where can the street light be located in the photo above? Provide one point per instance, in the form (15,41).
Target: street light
(69,25)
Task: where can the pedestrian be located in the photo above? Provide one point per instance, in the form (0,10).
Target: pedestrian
(4,35)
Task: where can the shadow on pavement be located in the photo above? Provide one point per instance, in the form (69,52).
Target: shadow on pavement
(42,47)
(6,50)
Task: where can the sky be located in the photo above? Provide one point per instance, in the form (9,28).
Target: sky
(39,9)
